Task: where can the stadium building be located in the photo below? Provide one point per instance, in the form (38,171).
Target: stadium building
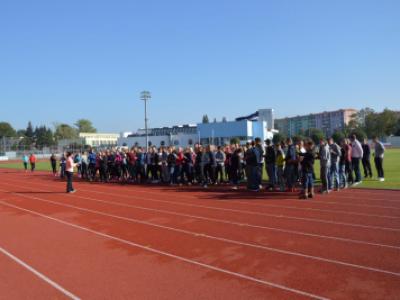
(259,124)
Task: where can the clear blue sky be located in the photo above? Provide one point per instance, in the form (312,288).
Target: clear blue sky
(64,60)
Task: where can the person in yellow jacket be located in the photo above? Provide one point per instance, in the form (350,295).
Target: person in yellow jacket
(280,167)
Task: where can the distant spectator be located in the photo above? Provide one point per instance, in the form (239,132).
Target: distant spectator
(334,169)
(307,167)
(25,161)
(366,159)
(325,164)
(270,164)
(32,161)
(69,170)
(378,158)
(53,162)
(356,156)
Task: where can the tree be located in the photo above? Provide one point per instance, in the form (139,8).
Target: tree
(64,131)
(6,130)
(338,136)
(224,120)
(298,137)
(205,119)
(215,120)
(29,133)
(360,134)
(84,125)
(278,138)
(235,141)
(316,135)
(44,137)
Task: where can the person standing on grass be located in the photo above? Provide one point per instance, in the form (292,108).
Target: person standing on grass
(270,164)
(336,153)
(366,159)
(325,164)
(25,160)
(356,156)
(53,162)
(235,167)
(291,165)
(280,166)
(307,167)
(32,161)
(378,158)
(69,170)
(342,166)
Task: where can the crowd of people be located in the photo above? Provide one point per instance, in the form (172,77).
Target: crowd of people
(289,166)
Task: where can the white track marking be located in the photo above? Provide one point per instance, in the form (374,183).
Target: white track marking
(160,252)
(196,234)
(257,204)
(256,213)
(38,274)
(294,232)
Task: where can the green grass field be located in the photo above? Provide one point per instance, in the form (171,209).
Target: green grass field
(391,167)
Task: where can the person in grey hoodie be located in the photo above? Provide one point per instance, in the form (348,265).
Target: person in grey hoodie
(325,163)
(356,156)
(378,158)
(335,151)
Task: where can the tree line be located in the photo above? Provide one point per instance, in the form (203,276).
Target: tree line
(43,136)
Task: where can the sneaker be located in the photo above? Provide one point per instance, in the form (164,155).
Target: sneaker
(234,188)
(381,179)
(357,183)
(71,192)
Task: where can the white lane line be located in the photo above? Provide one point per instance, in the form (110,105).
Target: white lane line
(248,203)
(221,239)
(253,213)
(238,223)
(251,203)
(222,221)
(160,252)
(38,274)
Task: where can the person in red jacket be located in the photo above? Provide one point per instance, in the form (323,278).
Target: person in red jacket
(32,161)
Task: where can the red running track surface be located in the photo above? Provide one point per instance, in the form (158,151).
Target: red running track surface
(154,242)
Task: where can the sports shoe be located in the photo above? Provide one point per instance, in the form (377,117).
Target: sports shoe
(381,179)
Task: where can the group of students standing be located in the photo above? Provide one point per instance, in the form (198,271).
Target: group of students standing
(287,164)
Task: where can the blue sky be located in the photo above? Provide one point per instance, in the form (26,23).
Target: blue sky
(64,60)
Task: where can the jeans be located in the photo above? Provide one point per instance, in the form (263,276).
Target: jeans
(379,166)
(290,174)
(342,175)
(355,161)
(325,178)
(308,181)
(334,175)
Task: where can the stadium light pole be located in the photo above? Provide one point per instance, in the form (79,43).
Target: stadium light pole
(145,96)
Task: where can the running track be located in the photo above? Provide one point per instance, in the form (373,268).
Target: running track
(154,242)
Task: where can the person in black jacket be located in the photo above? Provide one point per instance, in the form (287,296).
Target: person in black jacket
(307,166)
(270,164)
(235,167)
(366,159)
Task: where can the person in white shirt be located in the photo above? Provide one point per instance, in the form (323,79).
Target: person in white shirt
(356,155)
(69,171)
